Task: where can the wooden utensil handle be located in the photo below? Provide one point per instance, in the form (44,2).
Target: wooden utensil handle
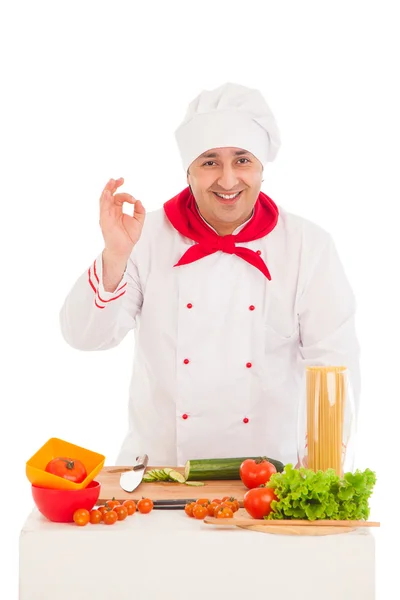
(289,522)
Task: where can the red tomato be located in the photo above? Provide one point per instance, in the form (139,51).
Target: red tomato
(257,502)
(130,505)
(145,505)
(189,508)
(68,468)
(254,473)
(81,517)
(112,503)
(223,512)
(200,511)
(95,516)
(110,517)
(211,508)
(122,512)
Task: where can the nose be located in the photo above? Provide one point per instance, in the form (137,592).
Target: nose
(228,178)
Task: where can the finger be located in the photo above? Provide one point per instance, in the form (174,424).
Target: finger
(122,197)
(113,184)
(140,212)
(106,200)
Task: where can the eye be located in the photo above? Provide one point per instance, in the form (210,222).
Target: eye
(244,159)
(208,163)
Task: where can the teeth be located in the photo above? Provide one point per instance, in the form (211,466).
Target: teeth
(226,197)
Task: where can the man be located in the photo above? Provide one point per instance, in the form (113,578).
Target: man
(230,297)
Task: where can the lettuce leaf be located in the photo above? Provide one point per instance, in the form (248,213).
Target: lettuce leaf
(306,494)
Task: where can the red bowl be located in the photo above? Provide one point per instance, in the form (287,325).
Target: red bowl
(60,505)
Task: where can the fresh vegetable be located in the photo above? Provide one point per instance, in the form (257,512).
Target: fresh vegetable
(95,516)
(189,508)
(258,501)
(112,503)
(81,517)
(130,506)
(223,512)
(166,474)
(200,511)
(110,517)
(212,507)
(145,505)
(305,494)
(231,502)
(220,468)
(122,512)
(254,473)
(68,468)
(102,509)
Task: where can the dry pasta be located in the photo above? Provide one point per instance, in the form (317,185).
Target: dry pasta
(325,397)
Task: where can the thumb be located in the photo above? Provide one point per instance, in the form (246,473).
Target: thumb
(140,212)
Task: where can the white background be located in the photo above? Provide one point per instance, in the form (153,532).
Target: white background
(94,90)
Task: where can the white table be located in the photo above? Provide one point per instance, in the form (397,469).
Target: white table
(165,555)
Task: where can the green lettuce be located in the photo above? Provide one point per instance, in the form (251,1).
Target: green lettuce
(306,494)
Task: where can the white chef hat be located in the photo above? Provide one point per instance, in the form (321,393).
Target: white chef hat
(231,115)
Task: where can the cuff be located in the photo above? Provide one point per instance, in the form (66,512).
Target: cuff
(95,280)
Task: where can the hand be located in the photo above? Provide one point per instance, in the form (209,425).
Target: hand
(120,231)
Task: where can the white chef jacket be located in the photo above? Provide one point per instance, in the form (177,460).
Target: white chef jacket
(220,351)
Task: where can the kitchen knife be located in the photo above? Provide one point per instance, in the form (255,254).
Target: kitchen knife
(179,503)
(130,480)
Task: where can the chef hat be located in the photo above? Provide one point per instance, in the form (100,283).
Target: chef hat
(229,116)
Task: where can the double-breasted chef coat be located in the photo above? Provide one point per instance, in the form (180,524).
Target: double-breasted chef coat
(220,351)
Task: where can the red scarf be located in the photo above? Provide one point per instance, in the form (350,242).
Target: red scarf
(183,214)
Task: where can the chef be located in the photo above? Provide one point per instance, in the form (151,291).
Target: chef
(229,296)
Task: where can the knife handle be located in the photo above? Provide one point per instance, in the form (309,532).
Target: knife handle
(141,462)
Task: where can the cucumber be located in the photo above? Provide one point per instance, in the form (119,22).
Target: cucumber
(220,468)
(177,477)
(194,483)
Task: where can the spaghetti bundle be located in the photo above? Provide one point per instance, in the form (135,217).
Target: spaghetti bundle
(325,400)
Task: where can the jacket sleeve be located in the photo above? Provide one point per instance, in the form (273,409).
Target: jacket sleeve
(327,311)
(93,319)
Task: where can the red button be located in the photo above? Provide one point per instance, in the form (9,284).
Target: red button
(186,361)
(245,420)
(251,307)
(189,305)
(185,416)
(258,252)
(248,365)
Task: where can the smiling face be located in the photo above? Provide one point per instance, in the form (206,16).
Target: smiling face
(225,183)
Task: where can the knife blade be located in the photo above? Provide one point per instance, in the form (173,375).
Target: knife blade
(130,480)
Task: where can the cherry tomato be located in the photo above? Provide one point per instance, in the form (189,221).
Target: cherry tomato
(189,508)
(203,501)
(81,517)
(110,517)
(232,503)
(211,508)
(145,505)
(102,509)
(255,472)
(130,505)
(122,512)
(224,512)
(68,468)
(200,511)
(217,500)
(257,502)
(95,516)
(112,503)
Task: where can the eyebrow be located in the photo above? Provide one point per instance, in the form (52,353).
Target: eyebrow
(215,154)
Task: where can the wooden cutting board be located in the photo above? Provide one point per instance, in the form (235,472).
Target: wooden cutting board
(290,527)
(163,490)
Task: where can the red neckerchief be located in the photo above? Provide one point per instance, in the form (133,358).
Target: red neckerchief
(183,214)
